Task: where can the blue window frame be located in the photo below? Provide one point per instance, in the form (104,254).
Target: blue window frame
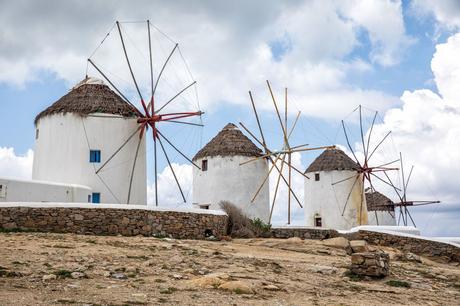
(95,156)
(96,197)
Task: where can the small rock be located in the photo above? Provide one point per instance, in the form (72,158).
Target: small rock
(359,246)
(209,281)
(106,274)
(324,269)
(49,277)
(239,287)
(119,276)
(131,269)
(177,276)
(271,288)
(337,242)
(77,275)
(412,257)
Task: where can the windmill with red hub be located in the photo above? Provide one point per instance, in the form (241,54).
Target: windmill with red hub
(156,92)
(367,172)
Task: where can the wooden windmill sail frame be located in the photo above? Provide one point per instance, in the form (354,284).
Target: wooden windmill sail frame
(275,156)
(365,171)
(403,203)
(150,116)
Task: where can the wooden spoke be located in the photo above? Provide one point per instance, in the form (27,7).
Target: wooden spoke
(349,194)
(175,148)
(119,148)
(172,169)
(348,143)
(276,190)
(134,168)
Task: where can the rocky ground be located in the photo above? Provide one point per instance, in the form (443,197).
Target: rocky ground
(61,269)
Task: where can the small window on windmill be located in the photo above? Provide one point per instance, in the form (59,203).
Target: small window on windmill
(95,156)
(37,132)
(204,165)
(318,221)
(316,176)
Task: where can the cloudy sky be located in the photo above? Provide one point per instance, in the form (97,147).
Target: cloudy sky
(398,58)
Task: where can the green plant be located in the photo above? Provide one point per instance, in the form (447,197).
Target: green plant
(398,283)
(63,273)
(353,277)
(260,228)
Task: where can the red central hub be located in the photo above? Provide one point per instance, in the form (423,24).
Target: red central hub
(152,119)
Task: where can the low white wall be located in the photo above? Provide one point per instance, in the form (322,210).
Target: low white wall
(226,180)
(13,190)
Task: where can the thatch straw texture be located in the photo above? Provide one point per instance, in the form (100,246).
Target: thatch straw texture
(377,201)
(332,159)
(89,98)
(229,142)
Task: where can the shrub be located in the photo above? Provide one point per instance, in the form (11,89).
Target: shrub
(260,228)
(240,226)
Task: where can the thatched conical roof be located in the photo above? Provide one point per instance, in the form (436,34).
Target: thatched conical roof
(332,159)
(377,201)
(230,141)
(89,96)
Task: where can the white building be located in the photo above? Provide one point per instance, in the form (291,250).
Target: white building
(75,136)
(13,190)
(222,178)
(334,195)
(381,210)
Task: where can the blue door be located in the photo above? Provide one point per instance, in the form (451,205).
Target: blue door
(96,197)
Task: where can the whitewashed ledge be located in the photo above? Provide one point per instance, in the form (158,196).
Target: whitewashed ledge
(112,206)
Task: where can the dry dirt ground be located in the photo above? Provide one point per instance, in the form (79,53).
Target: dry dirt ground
(39,269)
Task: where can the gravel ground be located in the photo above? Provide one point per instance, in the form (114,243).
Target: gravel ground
(64,269)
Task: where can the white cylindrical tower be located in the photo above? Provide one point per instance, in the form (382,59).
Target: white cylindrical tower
(77,134)
(222,178)
(334,196)
(380,209)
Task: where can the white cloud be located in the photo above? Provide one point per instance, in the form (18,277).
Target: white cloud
(168,192)
(446,12)
(383,20)
(228,45)
(426,130)
(15,166)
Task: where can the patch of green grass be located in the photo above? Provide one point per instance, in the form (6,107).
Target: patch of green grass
(63,273)
(238,291)
(398,283)
(93,241)
(159,280)
(134,303)
(16,230)
(66,301)
(63,246)
(140,257)
(168,290)
(353,277)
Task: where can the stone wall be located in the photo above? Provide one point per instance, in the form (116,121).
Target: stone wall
(411,244)
(114,221)
(303,232)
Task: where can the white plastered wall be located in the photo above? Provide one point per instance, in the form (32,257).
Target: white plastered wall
(327,201)
(62,155)
(383,217)
(227,180)
(12,190)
